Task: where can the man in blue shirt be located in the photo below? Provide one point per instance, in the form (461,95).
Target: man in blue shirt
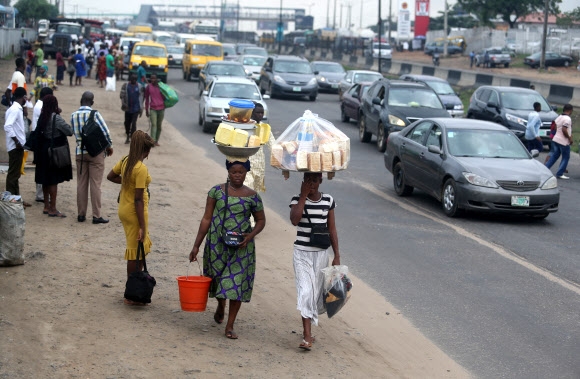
(131,104)
(142,75)
(532,135)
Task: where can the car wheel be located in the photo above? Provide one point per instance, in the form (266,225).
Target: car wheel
(566,64)
(506,65)
(363,135)
(271,91)
(401,188)
(343,115)
(312,97)
(262,90)
(200,119)
(449,198)
(381,139)
(207,127)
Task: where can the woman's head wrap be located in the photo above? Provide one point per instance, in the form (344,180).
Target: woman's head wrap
(245,164)
(45,67)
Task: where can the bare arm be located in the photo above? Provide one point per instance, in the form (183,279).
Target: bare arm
(113,177)
(203,228)
(140,210)
(297,209)
(260,218)
(333,237)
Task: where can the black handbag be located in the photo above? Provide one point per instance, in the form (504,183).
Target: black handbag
(230,238)
(139,286)
(33,141)
(59,157)
(319,234)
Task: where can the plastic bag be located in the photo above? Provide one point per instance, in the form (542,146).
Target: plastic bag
(170,97)
(111,84)
(336,288)
(12,226)
(24,158)
(311,144)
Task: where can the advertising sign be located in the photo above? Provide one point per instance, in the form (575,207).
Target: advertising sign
(421,17)
(404,21)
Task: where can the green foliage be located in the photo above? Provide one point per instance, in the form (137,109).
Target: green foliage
(486,10)
(456,18)
(35,9)
(569,18)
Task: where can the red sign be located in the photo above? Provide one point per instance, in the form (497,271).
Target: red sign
(421,17)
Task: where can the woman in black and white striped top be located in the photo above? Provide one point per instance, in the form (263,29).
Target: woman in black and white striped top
(309,260)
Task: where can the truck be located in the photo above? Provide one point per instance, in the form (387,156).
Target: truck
(63,31)
(93,29)
(498,56)
(43,27)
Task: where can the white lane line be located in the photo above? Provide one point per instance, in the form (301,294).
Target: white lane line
(461,231)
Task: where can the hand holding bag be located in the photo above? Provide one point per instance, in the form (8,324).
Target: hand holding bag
(139,286)
(230,238)
(59,157)
(319,234)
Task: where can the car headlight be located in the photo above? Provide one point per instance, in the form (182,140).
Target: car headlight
(161,66)
(394,120)
(458,107)
(322,79)
(477,180)
(279,79)
(516,119)
(312,82)
(550,183)
(215,110)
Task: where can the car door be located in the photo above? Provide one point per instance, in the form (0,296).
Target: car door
(491,111)
(367,101)
(374,115)
(265,73)
(351,101)
(346,82)
(412,152)
(430,164)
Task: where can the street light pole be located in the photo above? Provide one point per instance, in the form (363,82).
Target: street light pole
(334,17)
(380,35)
(543,56)
(280,30)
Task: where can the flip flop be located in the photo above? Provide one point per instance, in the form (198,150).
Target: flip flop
(57,214)
(305,345)
(26,205)
(217,318)
(231,335)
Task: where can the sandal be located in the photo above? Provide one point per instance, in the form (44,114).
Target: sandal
(218,318)
(231,335)
(131,302)
(57,214)
(306,345)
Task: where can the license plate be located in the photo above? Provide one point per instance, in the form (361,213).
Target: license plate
(544,133)
(297,89)
(335,86)
(520,201)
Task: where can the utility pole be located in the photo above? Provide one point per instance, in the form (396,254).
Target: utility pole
(328,13)
(445,42)
(390,20)
(380,35)
(543,56)
(334,18)
(280,31)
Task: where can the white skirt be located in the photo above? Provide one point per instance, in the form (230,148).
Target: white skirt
(308,267)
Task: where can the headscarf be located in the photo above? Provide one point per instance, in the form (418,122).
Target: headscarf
(45,67)
(49,106)
(245,164)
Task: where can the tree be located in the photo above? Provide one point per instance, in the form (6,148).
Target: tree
(486,10)
(456,18)
(569,18)
(35,9)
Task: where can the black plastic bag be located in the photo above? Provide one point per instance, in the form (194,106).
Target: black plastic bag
(337,288)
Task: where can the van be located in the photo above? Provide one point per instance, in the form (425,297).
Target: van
(163,37)
(197,53)
(155,54)
(139,29)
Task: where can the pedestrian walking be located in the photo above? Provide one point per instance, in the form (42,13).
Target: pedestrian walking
(532,134)
(131,105)
(60,67)
(35,116)
(38,58)
(90,170)
(15,130)
(486,62)
(81,67)
(154,107)
(119,64)
(471,59)
(562,141)
(142,75)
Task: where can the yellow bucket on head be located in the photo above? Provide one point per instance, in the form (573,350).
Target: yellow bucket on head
(193,292)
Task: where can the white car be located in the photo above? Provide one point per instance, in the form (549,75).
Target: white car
(175,55)
(214,101)
(385,50)
(253,65)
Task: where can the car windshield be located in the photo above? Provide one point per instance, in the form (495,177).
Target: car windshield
(292,67)
(149,51)
(236,91)
(206,50)
(414,97)
(254,61)
(485,144)
(230,50)
(325,67)
(442,88)
(384,46)
(175,50)
(523,101)
(366,77)
(68,29)
(226,70)
(255,51)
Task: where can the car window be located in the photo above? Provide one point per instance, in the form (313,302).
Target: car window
(419,132)
(325,67)
(493,97)
(349,75)
(366,77)
(226,70)
(365,89)
(483,95)
(414,97)
(236,90)
(254,61)
(381,93)
(441,88)
(149,51)
(434,137)
(207,50)
(353,91)
(523,101)
(485,144)
(230,50)
(292,67)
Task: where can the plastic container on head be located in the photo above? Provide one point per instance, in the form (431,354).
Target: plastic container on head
(241,110)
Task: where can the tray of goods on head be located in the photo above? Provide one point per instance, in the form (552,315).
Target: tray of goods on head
(311,144)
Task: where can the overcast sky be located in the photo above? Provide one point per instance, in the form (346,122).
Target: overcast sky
(317,8)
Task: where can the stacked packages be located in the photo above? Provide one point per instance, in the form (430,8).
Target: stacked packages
(228,135)
(311,144)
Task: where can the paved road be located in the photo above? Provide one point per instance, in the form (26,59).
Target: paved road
(501,295)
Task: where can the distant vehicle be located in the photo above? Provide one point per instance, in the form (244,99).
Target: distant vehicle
(253,65)
(357,76)
(254,50)
(510,107)
(155,54)
(215,69)
(205,28)
(351,101)
(328,75)
(230,52)
(451,49)
(552,60)
(214,102)
(197,53)
(163,37)
(241,46)
(471,165)
(390,105)
(498,56)
(288,75)
(175,55)
(93,29)
(43,27)
(386,51)
(448,97)
(140,29)
(61,34)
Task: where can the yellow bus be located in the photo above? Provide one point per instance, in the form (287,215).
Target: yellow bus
(197,53)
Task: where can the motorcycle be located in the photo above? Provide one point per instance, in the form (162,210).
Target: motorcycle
(436,59)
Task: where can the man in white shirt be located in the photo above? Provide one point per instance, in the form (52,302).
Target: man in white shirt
(35,115)
(18,79)
(15,139)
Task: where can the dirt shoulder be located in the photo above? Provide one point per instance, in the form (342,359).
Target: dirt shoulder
(62,315)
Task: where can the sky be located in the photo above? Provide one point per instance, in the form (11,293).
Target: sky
(316,8)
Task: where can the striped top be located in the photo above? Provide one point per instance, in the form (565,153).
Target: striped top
(318,213)
(79,118)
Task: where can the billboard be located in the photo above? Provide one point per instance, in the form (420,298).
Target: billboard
(404,21)
(421,17)
(270,25)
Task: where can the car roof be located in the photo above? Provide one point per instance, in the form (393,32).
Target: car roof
(233,79)
(225,63)
(326,62)
(150,43)
(364,72)
(461,123)
(423,78)
(404,83)
(287,58)
(507,89)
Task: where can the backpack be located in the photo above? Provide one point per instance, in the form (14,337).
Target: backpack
(93,140)
(553,129)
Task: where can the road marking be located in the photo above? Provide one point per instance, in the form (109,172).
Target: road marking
(461,231)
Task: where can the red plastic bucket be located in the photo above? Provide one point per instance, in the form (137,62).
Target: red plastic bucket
(193,292)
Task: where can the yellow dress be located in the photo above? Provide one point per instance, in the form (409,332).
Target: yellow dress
(140,178)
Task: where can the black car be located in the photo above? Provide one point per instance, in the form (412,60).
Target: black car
(510,106)
(471,165)
(328,75)
(219,68)
(391,105)
(442,87)
(552,60)
(288,75)
(351,101)
(451,49)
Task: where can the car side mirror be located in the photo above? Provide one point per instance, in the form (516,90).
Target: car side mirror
(265,97)
(434,149)
(205,93)
(376,101)
(316,72)
(492,104)
(348,80)
(535,153)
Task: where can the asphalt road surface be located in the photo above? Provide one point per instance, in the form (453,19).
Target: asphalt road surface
(501,295)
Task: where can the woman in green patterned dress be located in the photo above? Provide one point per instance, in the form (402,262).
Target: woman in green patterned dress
(231,268)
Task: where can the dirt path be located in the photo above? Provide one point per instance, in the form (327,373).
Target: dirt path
(62,315)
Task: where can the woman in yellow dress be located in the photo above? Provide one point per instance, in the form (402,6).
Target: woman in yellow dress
(133,212)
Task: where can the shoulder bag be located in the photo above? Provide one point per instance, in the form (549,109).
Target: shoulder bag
(139,286)
(230,238)
(319,234)
(59,157)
